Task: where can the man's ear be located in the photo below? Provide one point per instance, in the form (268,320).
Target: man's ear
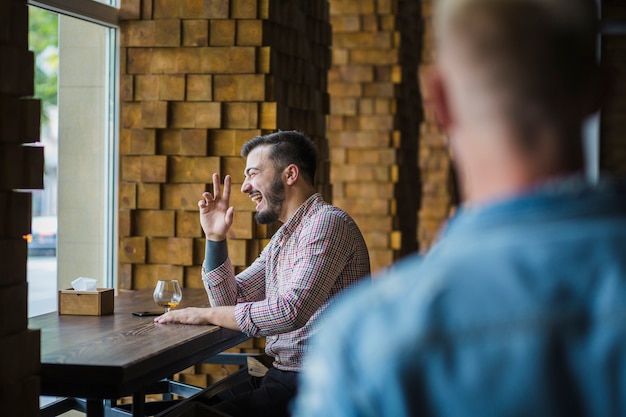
(439,98)
(291,174)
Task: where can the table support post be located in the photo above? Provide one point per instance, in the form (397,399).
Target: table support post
(139,400)
(167,396)
(95,408)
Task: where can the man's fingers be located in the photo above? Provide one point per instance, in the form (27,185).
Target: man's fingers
(217,188)
(206,199)
(228,219)
(226,195)
(218,193)
(169,317)
(161,319)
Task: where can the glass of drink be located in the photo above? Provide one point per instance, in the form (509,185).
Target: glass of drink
(167,294)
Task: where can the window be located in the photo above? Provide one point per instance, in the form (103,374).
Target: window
(74,230)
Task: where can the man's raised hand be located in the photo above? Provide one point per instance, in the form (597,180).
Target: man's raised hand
(216,216)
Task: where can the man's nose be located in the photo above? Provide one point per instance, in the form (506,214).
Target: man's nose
(245,187)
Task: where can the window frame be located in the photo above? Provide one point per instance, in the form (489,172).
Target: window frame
(89,10)
(107,16)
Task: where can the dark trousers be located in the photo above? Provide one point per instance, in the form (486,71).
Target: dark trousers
(267,396)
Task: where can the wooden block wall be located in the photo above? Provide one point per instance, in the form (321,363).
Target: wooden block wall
(409,116)
(613,115)
(198,79)
(373,147)
(21,166)
(438,190)
(299,35)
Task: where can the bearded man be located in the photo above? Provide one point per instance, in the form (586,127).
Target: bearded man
(317,252)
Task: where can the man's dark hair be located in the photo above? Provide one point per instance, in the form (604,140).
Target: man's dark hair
(287,147)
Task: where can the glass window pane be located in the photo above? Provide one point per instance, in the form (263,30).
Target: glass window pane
(78,138)
(42,243)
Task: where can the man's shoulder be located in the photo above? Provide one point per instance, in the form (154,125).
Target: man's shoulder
(324,212)
(444,297)
(379,303)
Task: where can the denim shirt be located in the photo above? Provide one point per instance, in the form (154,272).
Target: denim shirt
(519,310)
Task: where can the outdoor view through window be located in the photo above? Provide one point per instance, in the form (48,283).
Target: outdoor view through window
(73,217)
(42,243)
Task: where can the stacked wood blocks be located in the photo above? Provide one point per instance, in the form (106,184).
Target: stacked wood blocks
(298,34)
(362,131)
(22,169)
(613,114)
(198,79)
(438,193)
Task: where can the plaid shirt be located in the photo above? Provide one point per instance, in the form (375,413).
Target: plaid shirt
(317,253)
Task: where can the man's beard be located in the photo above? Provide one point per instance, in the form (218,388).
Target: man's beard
(274,198)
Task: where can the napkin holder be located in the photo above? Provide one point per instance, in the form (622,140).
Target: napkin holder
(86,303)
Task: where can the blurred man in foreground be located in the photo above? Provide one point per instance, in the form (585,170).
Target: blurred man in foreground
(520,309)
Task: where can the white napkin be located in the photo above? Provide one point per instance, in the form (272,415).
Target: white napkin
(85,284)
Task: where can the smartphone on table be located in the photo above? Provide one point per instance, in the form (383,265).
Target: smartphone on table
(147,313)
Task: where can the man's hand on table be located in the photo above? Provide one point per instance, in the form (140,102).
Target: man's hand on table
(222,316)
(190,315)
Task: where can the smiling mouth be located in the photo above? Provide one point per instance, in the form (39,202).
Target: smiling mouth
(257,198)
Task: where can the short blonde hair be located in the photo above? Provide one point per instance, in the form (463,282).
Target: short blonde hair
(539,54)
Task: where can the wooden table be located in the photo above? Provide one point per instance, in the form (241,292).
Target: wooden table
(108,357)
